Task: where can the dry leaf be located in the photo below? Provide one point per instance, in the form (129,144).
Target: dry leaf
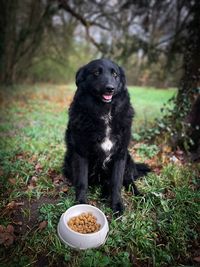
(33,158)
(64,188)
(18,222)
(11,205)
(34,179)
(8,239)
(32,182)
(197,259)
(20,156)
(7,236)
(93,202)
(31,187)
(38,167)
(43,225)
(157,170)
(12,181)
(166,149)
(10,229)
(58,180)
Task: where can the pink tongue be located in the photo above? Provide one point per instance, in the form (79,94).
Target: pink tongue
(107,97)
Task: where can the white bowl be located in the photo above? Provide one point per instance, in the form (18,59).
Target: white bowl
(78,240)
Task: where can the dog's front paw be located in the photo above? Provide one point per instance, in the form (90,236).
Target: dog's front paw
(118,207)
(81,200)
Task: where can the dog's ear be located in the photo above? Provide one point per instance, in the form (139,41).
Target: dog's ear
(122,77)
(80,76)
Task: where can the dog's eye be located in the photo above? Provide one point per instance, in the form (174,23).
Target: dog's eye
(96,73)
(114,74)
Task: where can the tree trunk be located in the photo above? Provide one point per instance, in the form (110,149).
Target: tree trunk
(191,77)
(186,109)
(194,130)
(7,40)
(22,25)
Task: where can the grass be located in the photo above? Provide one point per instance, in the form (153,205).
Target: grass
(159,229)
(147,102)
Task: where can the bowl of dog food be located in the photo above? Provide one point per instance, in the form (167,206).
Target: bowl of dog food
(83,227)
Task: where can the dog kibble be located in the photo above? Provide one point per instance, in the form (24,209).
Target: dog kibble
(85,223)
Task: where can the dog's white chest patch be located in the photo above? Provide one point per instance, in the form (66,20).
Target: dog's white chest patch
(107,144)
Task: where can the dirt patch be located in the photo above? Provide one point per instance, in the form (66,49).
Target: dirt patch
(25,217)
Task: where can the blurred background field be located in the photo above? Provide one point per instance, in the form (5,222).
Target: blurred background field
(147,101)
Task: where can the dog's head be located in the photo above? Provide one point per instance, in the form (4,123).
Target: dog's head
(102,78)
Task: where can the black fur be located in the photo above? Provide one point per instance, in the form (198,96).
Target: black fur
(101,108)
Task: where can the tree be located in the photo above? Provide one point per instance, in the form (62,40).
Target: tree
(22,24)
(186,113)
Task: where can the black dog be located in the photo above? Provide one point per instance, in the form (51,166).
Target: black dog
(99,131)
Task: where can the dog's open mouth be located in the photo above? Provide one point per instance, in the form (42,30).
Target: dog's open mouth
(107,97)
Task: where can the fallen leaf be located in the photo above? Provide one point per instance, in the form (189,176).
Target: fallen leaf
(64,188)
(32,182)
(18,222)
(157,170)
(10,229)
(11,205)
(34,179)
(93,202)
(33,159)
(58,180)
(8,239)
(43,225)
(31,187)
(165,159)
(19,156)
(2,228)
(38,167)
(12,181)
(16,204)
(169,194)
(179,152)
(7,236)
(52,172)
(197,259)
(166,149)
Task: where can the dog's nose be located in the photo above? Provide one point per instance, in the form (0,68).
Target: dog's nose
(110,88)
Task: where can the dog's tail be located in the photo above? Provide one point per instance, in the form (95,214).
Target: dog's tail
(141,169)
